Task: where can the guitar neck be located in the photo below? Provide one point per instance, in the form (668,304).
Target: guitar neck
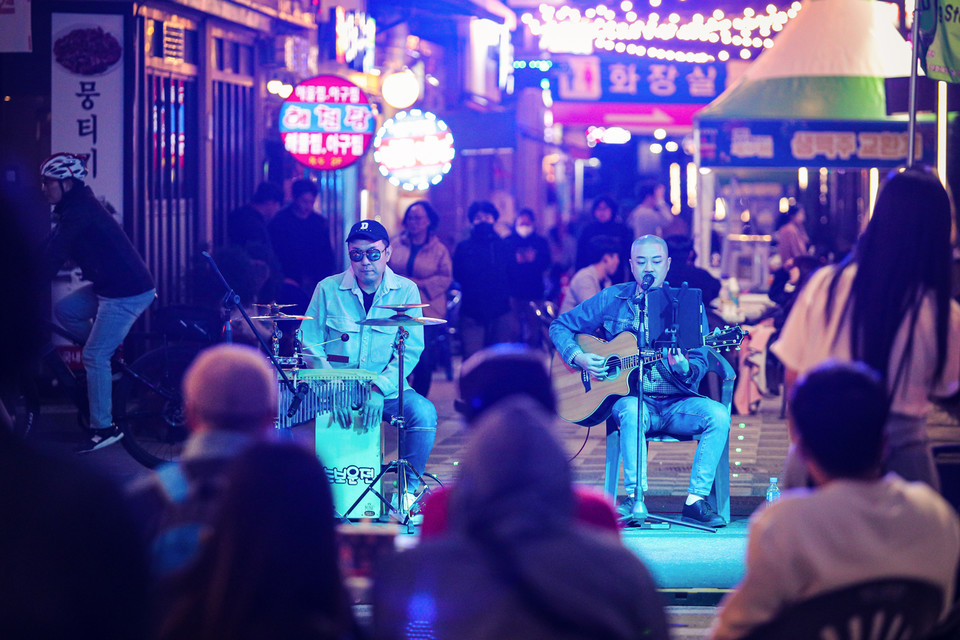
(634,361)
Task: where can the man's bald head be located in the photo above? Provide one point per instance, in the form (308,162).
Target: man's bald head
(230,387)
(649,255)
(651,239)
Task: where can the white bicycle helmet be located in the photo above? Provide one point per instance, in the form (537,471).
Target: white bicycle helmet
(64,165)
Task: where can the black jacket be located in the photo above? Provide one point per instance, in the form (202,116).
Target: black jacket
(480,267)
(87,234)
(303,247)
(529,260)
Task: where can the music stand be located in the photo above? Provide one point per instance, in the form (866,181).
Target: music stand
(665,324)
(400,320)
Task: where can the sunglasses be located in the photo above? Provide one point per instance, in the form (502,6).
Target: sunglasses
(372,254)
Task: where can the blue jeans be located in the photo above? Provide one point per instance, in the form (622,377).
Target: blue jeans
(419,431)
(102,323)
(683,416)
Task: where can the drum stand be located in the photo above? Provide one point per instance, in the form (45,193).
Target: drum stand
(400,465)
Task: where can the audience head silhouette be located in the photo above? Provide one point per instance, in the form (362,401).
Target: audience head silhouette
(230,387)
(271,568)
(500,371)
(515,477)
(838,411)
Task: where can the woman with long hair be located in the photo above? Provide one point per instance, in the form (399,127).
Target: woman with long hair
(419,255)
(270,569)
(888,305)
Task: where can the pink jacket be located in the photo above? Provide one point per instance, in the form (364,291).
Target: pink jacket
(432,271)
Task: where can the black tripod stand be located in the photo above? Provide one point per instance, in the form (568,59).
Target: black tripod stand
(400,465)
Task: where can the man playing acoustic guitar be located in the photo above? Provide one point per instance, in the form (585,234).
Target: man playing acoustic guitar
(672,404)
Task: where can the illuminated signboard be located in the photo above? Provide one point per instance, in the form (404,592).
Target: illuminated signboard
(355,39)
(414,149)
(327,123)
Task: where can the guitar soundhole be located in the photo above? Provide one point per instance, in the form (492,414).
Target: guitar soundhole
(613,367)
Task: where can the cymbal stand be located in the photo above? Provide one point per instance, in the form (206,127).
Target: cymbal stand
(400,465)
(232,299)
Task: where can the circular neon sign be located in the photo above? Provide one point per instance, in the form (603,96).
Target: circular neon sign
(414,150)
(327,123)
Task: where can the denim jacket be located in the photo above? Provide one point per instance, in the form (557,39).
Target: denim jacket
(608,314)
(337,309)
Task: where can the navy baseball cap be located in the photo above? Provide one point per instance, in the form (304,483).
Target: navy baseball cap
(368,230)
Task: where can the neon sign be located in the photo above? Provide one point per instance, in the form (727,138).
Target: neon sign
(355,39)
(327,123)
(414,150)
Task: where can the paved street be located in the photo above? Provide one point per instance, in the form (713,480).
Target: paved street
(758,444)
(757,447)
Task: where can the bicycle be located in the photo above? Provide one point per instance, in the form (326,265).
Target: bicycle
(148,405)
(147,402)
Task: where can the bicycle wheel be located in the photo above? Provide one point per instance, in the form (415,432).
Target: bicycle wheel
(149,408)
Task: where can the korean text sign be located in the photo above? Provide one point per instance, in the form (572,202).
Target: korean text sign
(327,123)
(593,78)
(87,96)
(797,143)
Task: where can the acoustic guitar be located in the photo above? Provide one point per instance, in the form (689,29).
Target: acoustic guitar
(588,401)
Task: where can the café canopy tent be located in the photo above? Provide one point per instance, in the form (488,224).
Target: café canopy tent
(817,97)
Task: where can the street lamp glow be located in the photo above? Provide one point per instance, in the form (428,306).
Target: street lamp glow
(400,89)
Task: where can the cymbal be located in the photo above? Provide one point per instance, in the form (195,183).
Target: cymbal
(401,307)
(401,321)
(274,306)
(280,317)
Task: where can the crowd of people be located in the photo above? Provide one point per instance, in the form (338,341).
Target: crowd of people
(237,539)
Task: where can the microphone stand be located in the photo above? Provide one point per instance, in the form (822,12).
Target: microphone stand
(643,339)
(232,299)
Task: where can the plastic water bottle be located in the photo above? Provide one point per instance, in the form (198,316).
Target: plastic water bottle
(733,288)
(773,491)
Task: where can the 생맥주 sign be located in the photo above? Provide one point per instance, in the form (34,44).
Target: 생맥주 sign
(820,143)
(327,123)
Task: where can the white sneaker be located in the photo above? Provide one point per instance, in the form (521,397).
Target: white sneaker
(410,503)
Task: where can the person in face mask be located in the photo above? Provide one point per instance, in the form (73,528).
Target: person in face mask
(529,261)
(480,268)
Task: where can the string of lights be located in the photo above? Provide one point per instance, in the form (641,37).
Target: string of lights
(708,37)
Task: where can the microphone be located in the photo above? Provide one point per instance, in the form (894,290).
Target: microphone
(647,281)
(298,397)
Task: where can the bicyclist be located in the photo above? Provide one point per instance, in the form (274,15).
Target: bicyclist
(119,286)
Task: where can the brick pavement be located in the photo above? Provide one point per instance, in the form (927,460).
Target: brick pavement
(758,444)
